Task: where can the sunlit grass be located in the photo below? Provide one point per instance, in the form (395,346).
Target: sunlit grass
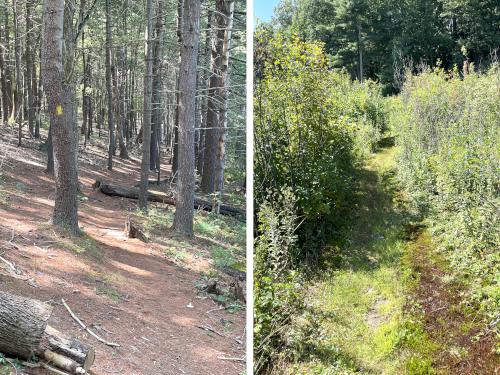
(219,239)
(365,295)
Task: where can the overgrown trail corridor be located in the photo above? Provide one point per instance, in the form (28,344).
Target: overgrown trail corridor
(383,307)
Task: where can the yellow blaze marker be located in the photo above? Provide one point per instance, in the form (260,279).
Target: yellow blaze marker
(59,110)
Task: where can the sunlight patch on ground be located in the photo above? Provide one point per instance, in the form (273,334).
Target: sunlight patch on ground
(131,269)
(183,320)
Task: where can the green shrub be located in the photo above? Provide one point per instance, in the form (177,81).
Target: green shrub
(448,131)
(311,127)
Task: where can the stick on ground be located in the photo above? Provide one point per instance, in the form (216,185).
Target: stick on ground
(85,327)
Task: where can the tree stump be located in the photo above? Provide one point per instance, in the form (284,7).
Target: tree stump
(24,332)
(132,230)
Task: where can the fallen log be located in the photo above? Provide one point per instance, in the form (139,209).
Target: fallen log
(24,332)
(133,193)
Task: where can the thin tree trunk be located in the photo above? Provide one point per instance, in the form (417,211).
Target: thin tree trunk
(7,94)
(146,126)
(184,213)
(85,108)
(60,96)
(121,105)
(221,148)
(30,82)
(18,96)
(109,89)
(39,95)
(203,98)
(214,99)
(175,156)
(157,114)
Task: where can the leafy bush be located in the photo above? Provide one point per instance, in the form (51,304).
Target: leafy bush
(277,287)
(311,126)
(448,131)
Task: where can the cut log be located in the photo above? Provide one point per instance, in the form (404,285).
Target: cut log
(24,332)
(133,193)
(132,230)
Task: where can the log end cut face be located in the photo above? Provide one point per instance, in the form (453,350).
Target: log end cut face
(22,324)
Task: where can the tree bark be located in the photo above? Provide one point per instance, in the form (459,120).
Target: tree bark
(203,98)
(109,88)
(214,98)
(18,96)
(61,107)
(30,82)
(175,148)
(121,105)
(146,126)
(183,218)
(24,332)
(157,113)
(221,147)
(5,75)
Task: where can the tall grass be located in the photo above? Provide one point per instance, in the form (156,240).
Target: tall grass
(448,133)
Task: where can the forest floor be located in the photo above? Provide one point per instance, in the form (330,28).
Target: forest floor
(387,305)
(144,296)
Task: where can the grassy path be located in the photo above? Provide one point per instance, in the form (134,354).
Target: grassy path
(386,306)
(362,300)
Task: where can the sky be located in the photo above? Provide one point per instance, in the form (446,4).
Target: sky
(263,9)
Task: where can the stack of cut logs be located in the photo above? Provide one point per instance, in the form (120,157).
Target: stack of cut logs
(24,333)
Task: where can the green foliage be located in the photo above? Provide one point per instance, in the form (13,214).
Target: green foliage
(223,257)
(390,33)
(8,366)
(311,126)
(276,288)
(448,131)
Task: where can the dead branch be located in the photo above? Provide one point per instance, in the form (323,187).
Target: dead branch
(85,327)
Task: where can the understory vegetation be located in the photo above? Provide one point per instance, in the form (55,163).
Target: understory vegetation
(350,187)
(312,127)
(448,129)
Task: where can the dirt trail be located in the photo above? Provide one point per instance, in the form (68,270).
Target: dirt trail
(462,345)
(128,291)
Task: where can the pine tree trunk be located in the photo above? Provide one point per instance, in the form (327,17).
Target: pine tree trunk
(109,88)
(156,118)
(175,149)
(221,147)
(183,218)
(30,82)
(121,105)
(146,125)
(214,99)
(18,96)
(7,94)
(61,108)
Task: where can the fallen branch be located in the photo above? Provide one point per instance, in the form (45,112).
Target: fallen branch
(9,264)
(85,327)
(133,193)
(208,328)
(232,359)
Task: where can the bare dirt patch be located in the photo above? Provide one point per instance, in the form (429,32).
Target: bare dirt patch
(464,346)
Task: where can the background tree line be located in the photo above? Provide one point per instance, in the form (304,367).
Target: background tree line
(377,39)
(122,76)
